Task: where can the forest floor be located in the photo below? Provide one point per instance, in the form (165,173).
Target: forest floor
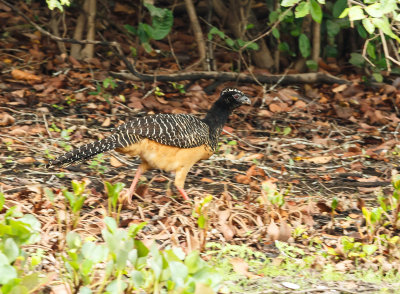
(297,166)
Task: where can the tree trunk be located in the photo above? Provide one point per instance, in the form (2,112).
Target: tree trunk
(88,51)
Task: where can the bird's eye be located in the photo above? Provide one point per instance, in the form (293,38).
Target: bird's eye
(236,96)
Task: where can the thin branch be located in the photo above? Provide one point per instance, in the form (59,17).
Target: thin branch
(385,50)
(282,16)
(364,52)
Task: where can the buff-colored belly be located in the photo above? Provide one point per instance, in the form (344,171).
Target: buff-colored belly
(165,157)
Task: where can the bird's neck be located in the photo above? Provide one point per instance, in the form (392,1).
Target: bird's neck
(216,118)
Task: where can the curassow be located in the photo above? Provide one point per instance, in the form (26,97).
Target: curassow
(170,142)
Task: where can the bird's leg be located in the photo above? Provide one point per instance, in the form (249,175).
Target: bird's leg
(143,167)
(183,193)
(180,178)
(138,173)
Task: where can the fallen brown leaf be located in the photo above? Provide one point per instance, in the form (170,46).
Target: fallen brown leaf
(242,268)
(6,119)
(115,162)
(23,75)
(319,159)
(26,160)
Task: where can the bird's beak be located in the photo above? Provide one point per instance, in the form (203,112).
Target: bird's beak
(245,100)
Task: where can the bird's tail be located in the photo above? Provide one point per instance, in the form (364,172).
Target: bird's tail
(120,139)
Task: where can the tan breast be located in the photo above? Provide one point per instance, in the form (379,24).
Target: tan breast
(165,157)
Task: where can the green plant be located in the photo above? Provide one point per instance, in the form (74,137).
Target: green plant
(101,89)
(373,20)
(388,211)
(179,87)
(158,92)
(162,21)
(97,164)
(270,194)
(286,130)
(200,212)
(353,249)
(124,264)
(75,200)
(17,271)
(57,4)
(234,45)
(113,192)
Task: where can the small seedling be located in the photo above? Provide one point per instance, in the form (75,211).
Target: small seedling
(158,92)
(200,212)
(113,192)
(75,200)
(179,87)
(96,164)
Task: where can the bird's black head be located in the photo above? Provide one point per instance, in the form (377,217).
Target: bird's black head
(234,98)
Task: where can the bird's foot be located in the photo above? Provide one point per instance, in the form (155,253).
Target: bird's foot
(183,193)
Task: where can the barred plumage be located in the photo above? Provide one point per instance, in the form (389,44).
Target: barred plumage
(182,138)
(178,130)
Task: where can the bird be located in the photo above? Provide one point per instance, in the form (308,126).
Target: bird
(169,142)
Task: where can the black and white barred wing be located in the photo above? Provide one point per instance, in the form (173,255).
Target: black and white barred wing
(178,130)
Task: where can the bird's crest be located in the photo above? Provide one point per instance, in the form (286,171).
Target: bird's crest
(226,90)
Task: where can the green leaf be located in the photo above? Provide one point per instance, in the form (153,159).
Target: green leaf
(275,33)
(316,11)
(117,287)
(338,8)
(304,46)
(384,25)
(130,29)
(369,249)
(2,200)
(95,253)
(180,272)
(368,25)
(230,42)
(111,224)
(193,262)
(344,13)
(374,10)
(78,187)
(85,290)
(142,250)
(334,204)
(7,273)
(287,131)
(302,9)
(332,27)
(284,47)
(137,278)
(10,249)
(289,3)
(371,50)
(356,13)
(162,21)
(252,46)
(74,240)
(49,194)
(357,59)
(361,31)
(201,221)
(135,228)
(378,77)
(396,181)
(215,31)
(147,47)
(311,64)
(273,17)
